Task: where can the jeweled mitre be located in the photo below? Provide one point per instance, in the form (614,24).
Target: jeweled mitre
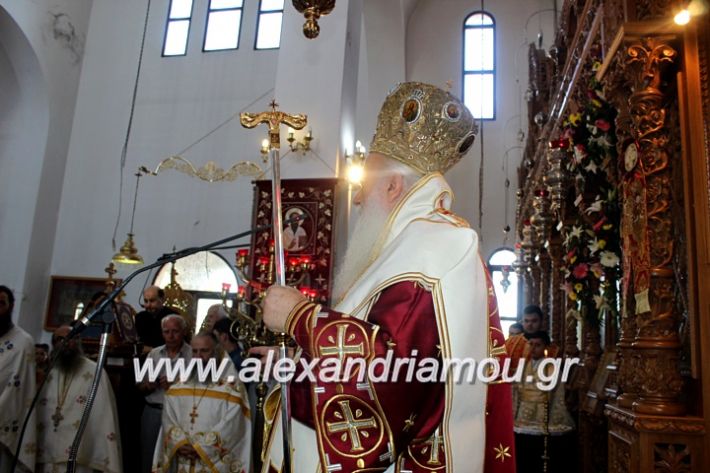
(424,127)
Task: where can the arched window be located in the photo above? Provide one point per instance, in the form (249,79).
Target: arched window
(177,28)
(268,26)
(202,275)
(505,282)
(479,65)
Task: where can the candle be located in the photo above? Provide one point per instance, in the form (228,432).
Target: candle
(225,287)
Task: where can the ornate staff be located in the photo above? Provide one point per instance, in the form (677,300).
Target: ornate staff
(274,119)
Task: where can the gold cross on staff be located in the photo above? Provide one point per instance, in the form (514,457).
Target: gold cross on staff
(274,118)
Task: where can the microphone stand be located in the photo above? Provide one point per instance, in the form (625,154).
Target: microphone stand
(99,309)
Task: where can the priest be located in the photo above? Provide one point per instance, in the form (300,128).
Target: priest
(206,425)
(59,412)
(412,285)
(17,387)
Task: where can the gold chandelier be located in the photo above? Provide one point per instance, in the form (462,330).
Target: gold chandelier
(312,10)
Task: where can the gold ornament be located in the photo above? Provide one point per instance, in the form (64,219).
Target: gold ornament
(425,127)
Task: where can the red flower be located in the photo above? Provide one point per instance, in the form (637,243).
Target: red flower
(580,271)
(603,125)
(597,226)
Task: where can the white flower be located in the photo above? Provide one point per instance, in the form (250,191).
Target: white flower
(593,246)
(608,259)
(591,167)
(596,206)
(576,232)
(601,140)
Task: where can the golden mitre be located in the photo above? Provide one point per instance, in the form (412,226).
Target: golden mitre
(425,127)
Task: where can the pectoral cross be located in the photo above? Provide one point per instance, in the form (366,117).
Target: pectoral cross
(193,415)
(57,417)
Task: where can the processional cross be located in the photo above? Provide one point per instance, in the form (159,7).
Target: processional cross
(274,118)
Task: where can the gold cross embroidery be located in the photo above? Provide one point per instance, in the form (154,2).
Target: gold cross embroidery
(434,442)
(340,348)
(502,452)
(350,425)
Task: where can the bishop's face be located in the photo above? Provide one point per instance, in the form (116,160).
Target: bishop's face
(374,185)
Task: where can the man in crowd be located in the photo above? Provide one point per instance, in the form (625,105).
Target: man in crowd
(412,282)
(148,320)
(541,413)
(517,345)
(17,388)
(41,360)
(223,334)
(173,333)
(205,425)
(515,329)
(59,412)
(215,313)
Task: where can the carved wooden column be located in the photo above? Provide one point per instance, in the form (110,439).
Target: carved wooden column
(647,432)
(656,343)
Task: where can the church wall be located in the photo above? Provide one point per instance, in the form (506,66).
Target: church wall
(42,46)
(434,54)
(179,100)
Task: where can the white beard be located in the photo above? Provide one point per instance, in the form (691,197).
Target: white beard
(370,224)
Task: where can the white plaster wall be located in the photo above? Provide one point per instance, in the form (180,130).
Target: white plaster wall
(434,55)
(42,43)
(179,100)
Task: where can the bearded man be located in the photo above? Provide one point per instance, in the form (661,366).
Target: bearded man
(205,425)
(60,409)
(412,283)
(17,388)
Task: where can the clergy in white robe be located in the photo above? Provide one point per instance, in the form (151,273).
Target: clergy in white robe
(17,387)
(59,413)
(206,425)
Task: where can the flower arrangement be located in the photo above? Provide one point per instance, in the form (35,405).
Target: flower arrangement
(592,242)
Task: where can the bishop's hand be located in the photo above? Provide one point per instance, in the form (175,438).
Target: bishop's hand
(278,304)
